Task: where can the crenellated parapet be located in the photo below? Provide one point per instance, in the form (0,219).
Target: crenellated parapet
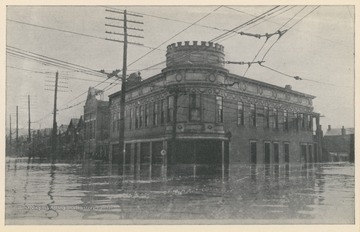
(195,54)
(195,44)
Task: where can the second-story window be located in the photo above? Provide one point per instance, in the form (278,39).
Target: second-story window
(286,120)
(131,118)
(141,118)
(302,121)
(296,121)
(170,108)
(137,115)
(162,114)
(253,114)
(240,113)
(146,122)
(310,122)
(155,113)
(267,117)
(276,118)
(194,107)
(219,109)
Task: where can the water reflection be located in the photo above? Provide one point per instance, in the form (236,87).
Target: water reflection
(51,212)
(98,191)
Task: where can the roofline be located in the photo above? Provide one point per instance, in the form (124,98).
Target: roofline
(159,75)
(229,74)
(271,85)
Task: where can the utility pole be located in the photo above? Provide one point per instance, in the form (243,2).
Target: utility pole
(10,132)
(124,69)
(54,131)
(29,138)
(123,94)
(17,126)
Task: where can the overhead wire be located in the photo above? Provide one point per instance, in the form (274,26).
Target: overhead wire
(282,34)
(267,38)
(48,72)
(300,78)
(262,20)
(47,62)
(56,61)
(141,57)
(75,33)
(257,18)
(40,72)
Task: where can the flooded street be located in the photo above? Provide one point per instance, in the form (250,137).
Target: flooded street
(98,193)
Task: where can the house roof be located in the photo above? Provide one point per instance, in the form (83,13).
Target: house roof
(62,128)
(74,122)
(337,131)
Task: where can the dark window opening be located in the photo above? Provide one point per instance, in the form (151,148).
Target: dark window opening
(194,107)
(253,114)
(267,153)
(253,152)
(162,114)
(170,108)
(267,117)
(240,115)
(276,153)
(286,120)
(219,109)
(287,152)
(155,113)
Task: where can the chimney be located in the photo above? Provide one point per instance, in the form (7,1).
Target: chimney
(343,131)
(329,127)
(288,87)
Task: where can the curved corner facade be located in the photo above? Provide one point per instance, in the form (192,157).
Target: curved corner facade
(196,112)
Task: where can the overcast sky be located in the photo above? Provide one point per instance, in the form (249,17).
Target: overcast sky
(319,49)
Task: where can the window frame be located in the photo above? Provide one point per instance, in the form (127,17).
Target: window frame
(240,113)
(219,109)
(194,104)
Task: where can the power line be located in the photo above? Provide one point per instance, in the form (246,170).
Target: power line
(79,67)
(304,17)
(40,72)
(55,29)
(284,74)
(319,37)
(175,20)
(174,35)
(75,33)
(282,34)
(48,62)
(274,14)
(300,78)
(46,73)
(257,18)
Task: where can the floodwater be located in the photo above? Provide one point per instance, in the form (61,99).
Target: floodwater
(98,193)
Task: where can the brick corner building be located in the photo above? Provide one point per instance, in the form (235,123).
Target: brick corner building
(196,111)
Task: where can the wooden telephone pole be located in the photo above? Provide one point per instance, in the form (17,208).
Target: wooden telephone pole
(10,132)
(124,69)
(29,127)
(54,130)
(17,128)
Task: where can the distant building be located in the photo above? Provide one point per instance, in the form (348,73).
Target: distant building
(338,144)
(195,111)
(96,125)
(74,141)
